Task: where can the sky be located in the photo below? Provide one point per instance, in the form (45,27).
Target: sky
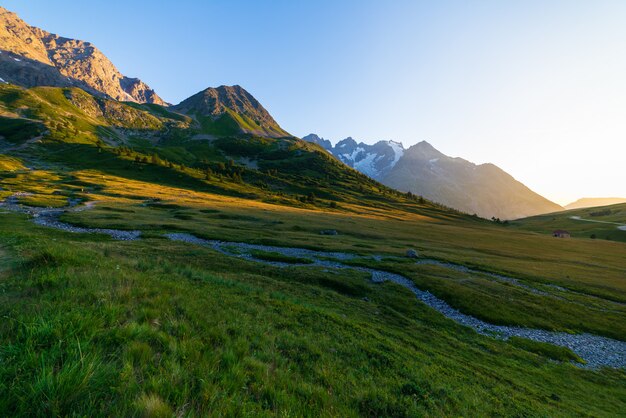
(535,87)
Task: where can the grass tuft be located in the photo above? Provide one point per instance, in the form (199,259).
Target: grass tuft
(152,406)
(278,257)
(547,350)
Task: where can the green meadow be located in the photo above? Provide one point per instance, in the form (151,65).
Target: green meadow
(100,327)
(590,223)
(92,326)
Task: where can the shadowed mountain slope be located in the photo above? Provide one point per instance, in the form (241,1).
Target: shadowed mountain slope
(483,189)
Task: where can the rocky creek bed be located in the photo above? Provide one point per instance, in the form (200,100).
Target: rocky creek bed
(50,217)
(597,351)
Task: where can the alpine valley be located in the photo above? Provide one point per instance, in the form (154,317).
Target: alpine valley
(196,259)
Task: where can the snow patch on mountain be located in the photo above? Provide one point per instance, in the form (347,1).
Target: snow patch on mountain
(352,156)
(398,151)
(367,165)
(372,160)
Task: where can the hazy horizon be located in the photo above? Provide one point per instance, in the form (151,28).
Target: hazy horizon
(536,88)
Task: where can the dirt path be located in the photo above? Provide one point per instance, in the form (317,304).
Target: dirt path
(621,227)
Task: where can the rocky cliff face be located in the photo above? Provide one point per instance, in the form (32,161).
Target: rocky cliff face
(19,70)
(34,57)
(485,189)
(17,37)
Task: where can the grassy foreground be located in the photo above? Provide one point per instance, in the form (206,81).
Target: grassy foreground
(97,327)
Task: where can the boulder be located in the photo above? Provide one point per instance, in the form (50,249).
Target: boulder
(329,232)
(412,253)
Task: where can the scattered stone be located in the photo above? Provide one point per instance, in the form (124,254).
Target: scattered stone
(329,232)
(412,253)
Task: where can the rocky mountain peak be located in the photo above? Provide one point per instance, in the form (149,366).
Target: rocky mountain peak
(215,101)
(324,143)
(21,39)
(483,189)
(424,150)
(52,60)
(348,144)
(235,104)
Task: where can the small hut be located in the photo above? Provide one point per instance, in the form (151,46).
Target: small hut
(559,233)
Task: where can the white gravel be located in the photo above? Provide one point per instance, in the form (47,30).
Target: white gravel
(52,221)
(621,227)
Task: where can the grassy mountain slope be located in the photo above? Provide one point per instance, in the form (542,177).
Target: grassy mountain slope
(231,110)
(603,222)
(151,327)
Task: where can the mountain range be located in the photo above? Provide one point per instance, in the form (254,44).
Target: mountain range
(31,57)
(484,189)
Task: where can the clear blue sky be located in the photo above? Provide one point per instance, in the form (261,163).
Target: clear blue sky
(536,87)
